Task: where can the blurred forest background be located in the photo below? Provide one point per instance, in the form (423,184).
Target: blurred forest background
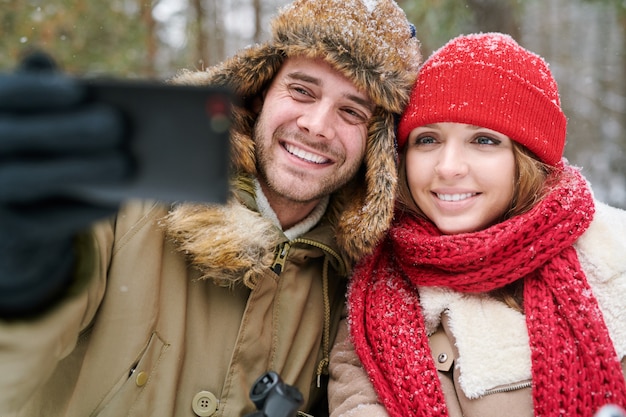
(583,40)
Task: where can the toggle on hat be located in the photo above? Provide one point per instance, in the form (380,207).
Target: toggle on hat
(489,80)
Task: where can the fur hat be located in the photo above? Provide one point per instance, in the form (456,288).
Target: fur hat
(371,43)
(489,80)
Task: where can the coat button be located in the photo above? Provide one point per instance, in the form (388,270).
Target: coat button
(204,404)
(141,379)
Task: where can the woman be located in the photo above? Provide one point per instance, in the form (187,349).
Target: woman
(498,289)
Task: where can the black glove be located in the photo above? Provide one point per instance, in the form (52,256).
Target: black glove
(51,138)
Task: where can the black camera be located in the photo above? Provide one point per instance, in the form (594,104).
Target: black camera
(273,398)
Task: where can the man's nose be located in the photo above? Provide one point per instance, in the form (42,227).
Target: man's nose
(318,120)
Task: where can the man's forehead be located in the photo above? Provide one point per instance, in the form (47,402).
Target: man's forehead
(316,71)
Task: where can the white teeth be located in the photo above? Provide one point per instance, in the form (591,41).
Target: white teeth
(454,197)
(307,156)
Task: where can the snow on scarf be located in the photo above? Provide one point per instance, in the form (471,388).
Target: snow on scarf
(575,368)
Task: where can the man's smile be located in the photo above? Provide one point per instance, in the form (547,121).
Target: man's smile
(305,155)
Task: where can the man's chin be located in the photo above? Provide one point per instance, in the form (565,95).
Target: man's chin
(301,191)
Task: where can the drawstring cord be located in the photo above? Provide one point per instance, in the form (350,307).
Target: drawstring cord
(322,367)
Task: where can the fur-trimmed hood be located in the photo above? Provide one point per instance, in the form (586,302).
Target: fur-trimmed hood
(372,44)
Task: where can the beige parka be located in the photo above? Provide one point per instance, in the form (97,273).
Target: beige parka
(149,337)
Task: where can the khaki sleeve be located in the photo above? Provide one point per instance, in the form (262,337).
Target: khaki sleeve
(350,392)
(30,349)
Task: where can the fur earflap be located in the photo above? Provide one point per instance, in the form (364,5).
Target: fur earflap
(368,208)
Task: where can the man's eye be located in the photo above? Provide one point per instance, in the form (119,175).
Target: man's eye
(355,116)
(299,92)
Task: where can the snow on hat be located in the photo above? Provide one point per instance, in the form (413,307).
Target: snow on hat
(489,80)
(370,42)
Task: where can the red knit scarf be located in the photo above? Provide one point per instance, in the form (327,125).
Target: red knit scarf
(575,369)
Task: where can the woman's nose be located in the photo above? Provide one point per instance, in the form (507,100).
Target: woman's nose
(452,162)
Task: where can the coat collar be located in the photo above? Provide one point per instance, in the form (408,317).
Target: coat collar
(234,243)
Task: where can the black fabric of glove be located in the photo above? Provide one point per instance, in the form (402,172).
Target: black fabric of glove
(51,138)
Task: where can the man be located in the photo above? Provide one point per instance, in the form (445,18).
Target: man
(175,311)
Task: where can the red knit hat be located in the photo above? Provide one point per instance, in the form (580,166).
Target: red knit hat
(489,80)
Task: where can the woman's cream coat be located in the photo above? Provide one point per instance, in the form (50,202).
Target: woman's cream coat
(147,337)
(480,346)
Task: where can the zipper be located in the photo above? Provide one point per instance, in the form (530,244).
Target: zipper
(509,388)
(282,250)
(281,256)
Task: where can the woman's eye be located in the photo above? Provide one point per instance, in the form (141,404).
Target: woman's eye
(486,140)
(424,140)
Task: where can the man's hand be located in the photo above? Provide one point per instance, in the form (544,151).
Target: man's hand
(51,137)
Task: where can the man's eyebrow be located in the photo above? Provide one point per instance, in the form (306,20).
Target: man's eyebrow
(362,101)
(304,77)
(297,75)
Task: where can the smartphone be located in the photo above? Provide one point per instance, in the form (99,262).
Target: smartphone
(179,137)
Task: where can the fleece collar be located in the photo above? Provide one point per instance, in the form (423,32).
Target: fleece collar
(297,230)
